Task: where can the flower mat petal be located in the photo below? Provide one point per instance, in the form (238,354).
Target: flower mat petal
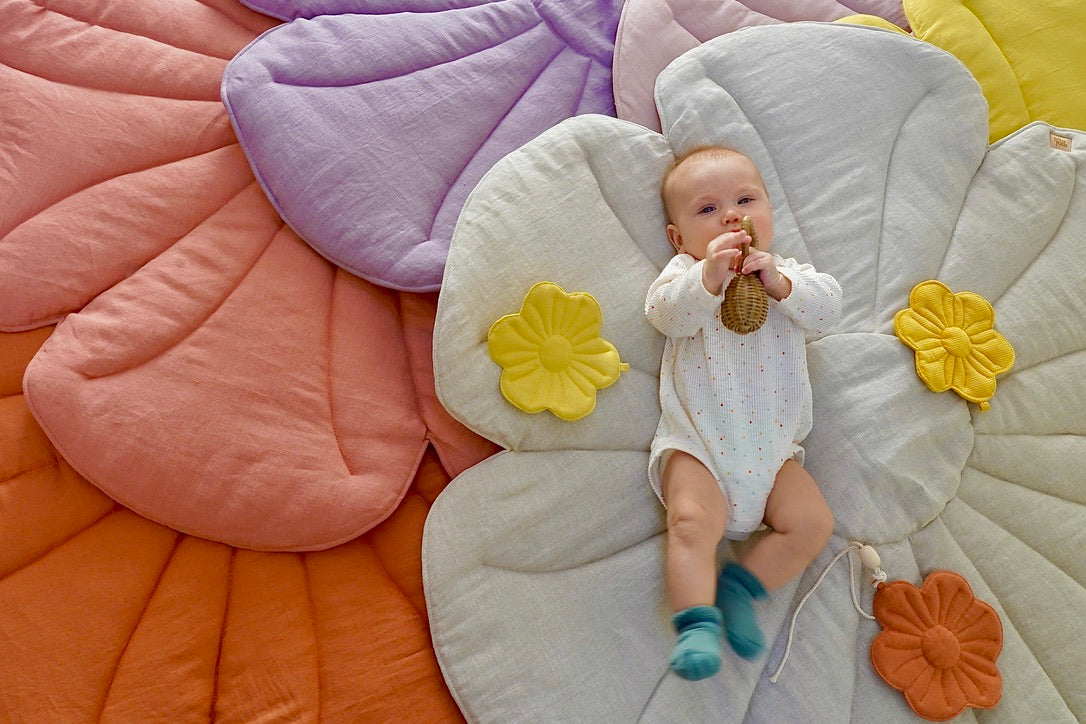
(133,95)
(242,389)
(217,375)
(1028,58)
(874,148)
(652,33)
(108,616)
(368,130)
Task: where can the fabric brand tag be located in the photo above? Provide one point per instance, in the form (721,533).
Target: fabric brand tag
(1058,142)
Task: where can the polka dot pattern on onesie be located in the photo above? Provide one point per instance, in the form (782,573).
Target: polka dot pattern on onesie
(738,403)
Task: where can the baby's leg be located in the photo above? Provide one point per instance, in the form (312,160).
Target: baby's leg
(696,519)
(801,526)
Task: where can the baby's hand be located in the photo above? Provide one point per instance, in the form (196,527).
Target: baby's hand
(764,265)
(721,256)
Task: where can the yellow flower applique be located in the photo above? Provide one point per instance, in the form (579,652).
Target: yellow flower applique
(551,353)
(955,340)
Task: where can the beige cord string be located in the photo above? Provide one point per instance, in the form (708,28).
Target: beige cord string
(870,560)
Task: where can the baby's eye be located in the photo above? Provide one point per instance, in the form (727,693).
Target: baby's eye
(746,200)
(707,209)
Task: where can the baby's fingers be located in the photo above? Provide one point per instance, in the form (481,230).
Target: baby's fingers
(758,261)
(730,240)
(722,253)
(728,257)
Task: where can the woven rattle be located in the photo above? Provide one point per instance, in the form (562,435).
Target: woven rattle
(746,303)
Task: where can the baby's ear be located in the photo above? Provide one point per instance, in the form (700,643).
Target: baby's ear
(674,237)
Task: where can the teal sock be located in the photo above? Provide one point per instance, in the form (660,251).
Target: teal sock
(697,651)
(736,590)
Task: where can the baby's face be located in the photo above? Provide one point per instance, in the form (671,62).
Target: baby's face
(709,194)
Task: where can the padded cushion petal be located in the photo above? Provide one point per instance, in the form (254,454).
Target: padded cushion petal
(555,548)
(652,33)
(296,428)
(213,372)
(155,151)
(367,140)
(291,9)
(258,432)
(1028,57)
(108,616)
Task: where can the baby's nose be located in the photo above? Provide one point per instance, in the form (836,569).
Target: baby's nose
(731,217)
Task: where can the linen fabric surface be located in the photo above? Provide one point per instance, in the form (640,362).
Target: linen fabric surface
(875,148)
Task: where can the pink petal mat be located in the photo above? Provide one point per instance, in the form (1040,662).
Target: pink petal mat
(114,141)
(240,388)
(211,371)
(652,33)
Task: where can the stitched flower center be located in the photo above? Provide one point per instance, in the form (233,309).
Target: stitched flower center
(941,647)
(956,342)
(555,353)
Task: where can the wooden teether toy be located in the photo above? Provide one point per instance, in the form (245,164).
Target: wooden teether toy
(746,303)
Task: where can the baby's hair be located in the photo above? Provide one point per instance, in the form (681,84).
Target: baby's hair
(703,150)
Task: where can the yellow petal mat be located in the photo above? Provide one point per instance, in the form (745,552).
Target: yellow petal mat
(873,20)
(551,353)
(957,347)
(1027,56)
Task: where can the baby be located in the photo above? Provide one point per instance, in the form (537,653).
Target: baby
(734,409)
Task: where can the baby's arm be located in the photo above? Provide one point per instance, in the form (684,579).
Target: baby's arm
(814,302)
(678,304)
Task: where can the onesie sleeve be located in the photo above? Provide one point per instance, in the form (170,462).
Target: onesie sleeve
(815,301)
(678,304)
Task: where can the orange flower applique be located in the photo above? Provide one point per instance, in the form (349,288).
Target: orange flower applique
(938,645)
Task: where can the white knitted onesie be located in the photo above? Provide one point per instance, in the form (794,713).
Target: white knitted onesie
(741,404)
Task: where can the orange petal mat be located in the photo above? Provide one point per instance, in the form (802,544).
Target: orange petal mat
(186,312)
(110,617)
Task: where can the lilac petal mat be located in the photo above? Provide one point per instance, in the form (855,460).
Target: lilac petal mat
(293,9)
(368,131)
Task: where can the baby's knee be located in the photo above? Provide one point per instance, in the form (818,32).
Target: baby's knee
(809,529)
(691,523)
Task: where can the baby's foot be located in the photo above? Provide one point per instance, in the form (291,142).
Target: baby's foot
(697,651)
(735,594)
